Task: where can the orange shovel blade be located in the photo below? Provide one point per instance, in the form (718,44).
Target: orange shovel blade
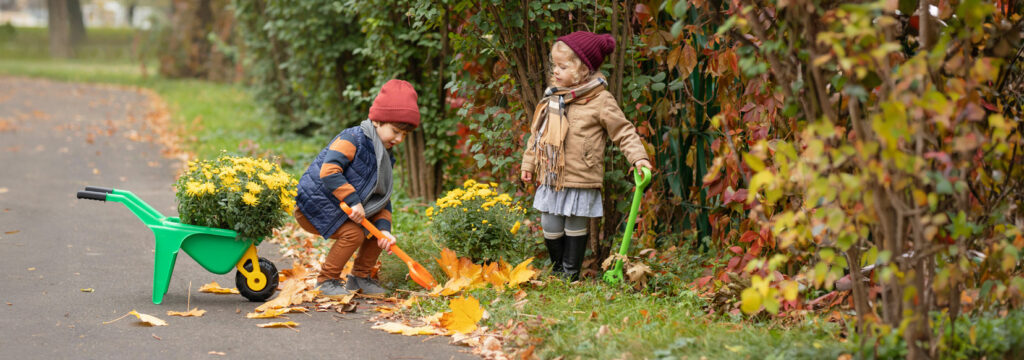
(417,272)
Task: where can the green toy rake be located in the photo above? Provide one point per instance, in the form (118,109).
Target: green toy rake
(614,276)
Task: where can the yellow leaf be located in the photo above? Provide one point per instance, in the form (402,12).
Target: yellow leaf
(464,315)
(400,328)
(215,288)
(289,295)
(751,301)
(194,312)
(474,273)
(269,313)
(287,324)
(790,290)
(494,275)
(149,319)
(455,285)
(449,263)
(521,273)
(410,301)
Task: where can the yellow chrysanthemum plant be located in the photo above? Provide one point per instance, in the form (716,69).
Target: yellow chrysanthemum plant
(247,195)
(479,221)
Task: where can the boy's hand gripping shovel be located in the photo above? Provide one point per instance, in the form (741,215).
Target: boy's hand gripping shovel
(614,276)
(418,273)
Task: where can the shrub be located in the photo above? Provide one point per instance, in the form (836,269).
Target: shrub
(478,221)
(250,196)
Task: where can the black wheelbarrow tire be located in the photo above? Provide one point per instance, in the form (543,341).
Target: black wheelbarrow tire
(242,283)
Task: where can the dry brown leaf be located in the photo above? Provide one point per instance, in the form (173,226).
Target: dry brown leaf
(220,353)
(400,328)
(148,319)
(194,312)
(215,288)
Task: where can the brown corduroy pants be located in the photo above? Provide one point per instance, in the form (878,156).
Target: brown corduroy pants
(347,239)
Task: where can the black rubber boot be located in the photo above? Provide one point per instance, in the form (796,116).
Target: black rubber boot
(572,260)
(556,249)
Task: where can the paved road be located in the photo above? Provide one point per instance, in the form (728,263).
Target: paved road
(56,138)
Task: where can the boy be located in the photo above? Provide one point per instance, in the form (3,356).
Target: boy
(353,168)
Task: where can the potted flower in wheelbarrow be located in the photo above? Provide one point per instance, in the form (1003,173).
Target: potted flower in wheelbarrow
(226,207)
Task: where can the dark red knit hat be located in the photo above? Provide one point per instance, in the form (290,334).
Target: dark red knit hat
(590,47)
(396,102)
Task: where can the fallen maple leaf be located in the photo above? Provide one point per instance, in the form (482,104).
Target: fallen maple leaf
(453,286)
(291,294)
(400,328)
(521,273)
(270,313)
(449,263)
(494,275)
(194,312)
(466,311)
(215,288)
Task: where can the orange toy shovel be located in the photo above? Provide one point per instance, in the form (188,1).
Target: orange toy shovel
(418,273)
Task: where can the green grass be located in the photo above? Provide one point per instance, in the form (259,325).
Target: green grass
(100,43)
(565,319)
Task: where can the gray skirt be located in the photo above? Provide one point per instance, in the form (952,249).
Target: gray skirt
(569,201)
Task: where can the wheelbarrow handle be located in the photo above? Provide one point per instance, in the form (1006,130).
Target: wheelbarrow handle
(92,195)
(99,189)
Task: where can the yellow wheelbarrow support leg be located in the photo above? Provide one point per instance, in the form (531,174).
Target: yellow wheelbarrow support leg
(256,279)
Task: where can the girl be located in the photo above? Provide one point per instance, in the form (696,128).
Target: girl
(566,146)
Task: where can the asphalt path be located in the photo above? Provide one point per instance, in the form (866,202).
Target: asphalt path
(55,139)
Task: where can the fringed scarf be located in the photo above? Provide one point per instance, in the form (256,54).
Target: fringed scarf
(551,123)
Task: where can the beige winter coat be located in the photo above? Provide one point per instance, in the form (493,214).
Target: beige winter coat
(590,125)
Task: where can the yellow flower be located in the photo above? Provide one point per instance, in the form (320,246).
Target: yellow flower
(287,203)
(494,185)
(430,211)
(209,188)
(250,199)
(469,183)
(483,222)
(254,188)
(515,228)
(193,188)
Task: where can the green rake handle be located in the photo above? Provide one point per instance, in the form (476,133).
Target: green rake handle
(614,276)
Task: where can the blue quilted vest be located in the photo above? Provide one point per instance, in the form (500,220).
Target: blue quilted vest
(317,203)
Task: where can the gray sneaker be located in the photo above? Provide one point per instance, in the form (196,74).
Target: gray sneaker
(366,286)
(332,288)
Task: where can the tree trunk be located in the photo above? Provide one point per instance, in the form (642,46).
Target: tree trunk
(59,29)
(76,21)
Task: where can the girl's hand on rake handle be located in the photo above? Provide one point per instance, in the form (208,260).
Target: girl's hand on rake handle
(386,242)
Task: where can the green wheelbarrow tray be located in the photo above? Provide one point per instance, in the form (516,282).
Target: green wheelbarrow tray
(614,276)
(216,250)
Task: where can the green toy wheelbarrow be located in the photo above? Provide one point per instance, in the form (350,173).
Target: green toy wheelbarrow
(216,250)
(614,276)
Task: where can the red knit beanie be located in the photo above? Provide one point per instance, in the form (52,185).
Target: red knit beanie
(396,102)
(590,47)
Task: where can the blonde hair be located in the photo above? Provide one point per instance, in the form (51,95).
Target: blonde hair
(581,70)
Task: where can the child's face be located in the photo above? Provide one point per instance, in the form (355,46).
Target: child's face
(390,135)
(563,70)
